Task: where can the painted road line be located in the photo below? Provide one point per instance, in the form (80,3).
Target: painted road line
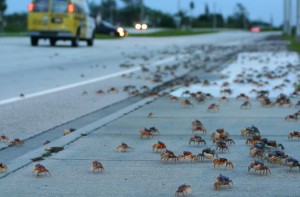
(74,85)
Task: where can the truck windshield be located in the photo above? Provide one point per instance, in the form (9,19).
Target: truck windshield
(59,6)
(41,6)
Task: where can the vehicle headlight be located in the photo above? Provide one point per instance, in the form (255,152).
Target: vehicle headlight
(120,29)
(144,26)
(138,26)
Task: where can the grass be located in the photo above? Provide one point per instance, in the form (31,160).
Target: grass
(172,32)
(13,34)
(294,46)
(106,37)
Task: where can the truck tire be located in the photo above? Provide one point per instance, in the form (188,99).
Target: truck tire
(34,41)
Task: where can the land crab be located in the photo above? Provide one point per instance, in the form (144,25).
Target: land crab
(222,181)
(39,168)
(183,190)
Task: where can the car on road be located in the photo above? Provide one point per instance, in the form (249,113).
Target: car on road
(60,20)
(105,27)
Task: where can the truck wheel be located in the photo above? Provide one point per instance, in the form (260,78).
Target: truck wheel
(75,41)
(52,42)
(34,41)
(90,42)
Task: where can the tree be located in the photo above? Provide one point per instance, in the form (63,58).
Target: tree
(239,19)
(3,7)
(192,7)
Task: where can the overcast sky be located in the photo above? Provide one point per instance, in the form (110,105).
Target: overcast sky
(258,9)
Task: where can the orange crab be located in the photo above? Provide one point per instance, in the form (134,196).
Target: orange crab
(222,161)
(160,146)
(123,147)
(213,107)
(97,166)
(4,138)
(40,169)
(294,134)
(186,102)
(16,142)
(146,132)
(3,167)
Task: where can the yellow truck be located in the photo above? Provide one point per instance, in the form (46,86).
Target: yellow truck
(60,20)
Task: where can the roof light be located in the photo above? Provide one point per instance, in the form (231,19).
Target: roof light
(71,8)
(30,7)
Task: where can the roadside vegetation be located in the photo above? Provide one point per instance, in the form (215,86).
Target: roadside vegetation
(172,32)
(130,13)
(294,45)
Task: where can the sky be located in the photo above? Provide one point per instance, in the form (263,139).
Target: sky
(258,9)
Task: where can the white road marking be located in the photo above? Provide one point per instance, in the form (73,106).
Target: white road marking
(74,85)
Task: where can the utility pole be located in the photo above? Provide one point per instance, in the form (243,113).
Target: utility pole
(287,17)
(214,16)
(297,36)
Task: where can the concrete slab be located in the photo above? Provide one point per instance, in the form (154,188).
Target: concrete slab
(141,173)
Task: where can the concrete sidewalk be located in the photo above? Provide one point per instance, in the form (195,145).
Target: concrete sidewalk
(140,172)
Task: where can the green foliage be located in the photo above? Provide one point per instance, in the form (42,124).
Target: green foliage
(294,45)
(16,22)
(3,6)
(172,32)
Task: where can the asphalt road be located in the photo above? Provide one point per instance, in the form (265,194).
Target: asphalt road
(59,84)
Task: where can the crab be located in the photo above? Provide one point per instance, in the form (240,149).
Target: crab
(160,146)
(266,102)
(200,129)
(274,160)
(183,190)
(100,92)
(154,130)
(16,142)
(264,143)
(40,169)
(220,134)
(97,166)
(246,105)
(257,152)
(213,107)
(112,90)
(146,132)
(174,98)
(169,155)
(252,140)
(223,98)
(186,102)
(250,131)
(4,138)
(207,154)
(188,155)
(3,168)
(291,117)
(259,166)
(223,137)
(294,134)
(198,139)
(68,131)
(221,146)
(292,163)
(150,115)
(222,181)
(222,161)
(226,91)
(242,96)
(123,147)
(197,123)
